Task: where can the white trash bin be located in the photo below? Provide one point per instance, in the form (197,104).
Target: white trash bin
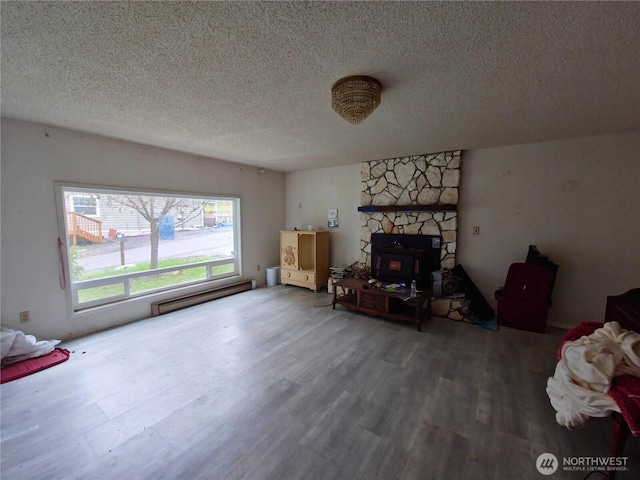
(273,276)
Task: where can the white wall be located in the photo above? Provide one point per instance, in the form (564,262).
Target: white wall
(310,195)
(578,200)
(34,156)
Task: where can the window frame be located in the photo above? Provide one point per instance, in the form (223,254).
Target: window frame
(75,307)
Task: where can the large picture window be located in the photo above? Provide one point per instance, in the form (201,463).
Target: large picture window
(139,242)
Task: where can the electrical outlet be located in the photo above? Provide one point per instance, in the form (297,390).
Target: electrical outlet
(24,316)
(476,230)
(258,268)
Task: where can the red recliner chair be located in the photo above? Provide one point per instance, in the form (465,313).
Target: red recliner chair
(524,301)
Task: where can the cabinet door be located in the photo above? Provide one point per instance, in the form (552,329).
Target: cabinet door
(289,250)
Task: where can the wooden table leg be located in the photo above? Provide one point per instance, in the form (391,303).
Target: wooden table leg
(335,296)
(620,433)
(420,302)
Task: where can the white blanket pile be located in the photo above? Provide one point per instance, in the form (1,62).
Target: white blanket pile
(583,376)
(16,346)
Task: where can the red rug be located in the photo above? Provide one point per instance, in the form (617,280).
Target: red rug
(33,365)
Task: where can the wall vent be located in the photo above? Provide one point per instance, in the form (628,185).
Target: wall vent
(176,303)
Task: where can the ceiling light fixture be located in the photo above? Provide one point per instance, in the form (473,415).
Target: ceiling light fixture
(355,98)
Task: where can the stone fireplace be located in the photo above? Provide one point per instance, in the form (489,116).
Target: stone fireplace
(414,195)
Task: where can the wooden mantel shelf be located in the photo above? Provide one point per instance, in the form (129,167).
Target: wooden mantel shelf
(408,208)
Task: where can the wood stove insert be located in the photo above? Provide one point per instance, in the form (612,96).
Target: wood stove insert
(400,258)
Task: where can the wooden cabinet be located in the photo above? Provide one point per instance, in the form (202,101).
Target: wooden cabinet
(304,258)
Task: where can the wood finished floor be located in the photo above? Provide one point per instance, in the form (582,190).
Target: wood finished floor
(274,384)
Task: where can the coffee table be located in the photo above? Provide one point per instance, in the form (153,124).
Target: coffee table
(395,305)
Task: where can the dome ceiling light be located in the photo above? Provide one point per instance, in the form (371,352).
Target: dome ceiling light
(355,98)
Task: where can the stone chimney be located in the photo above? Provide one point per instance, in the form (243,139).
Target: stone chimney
(415,195)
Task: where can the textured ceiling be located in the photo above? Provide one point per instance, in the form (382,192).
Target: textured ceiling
(250,82)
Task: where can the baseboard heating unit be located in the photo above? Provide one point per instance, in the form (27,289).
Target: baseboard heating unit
(176,303)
